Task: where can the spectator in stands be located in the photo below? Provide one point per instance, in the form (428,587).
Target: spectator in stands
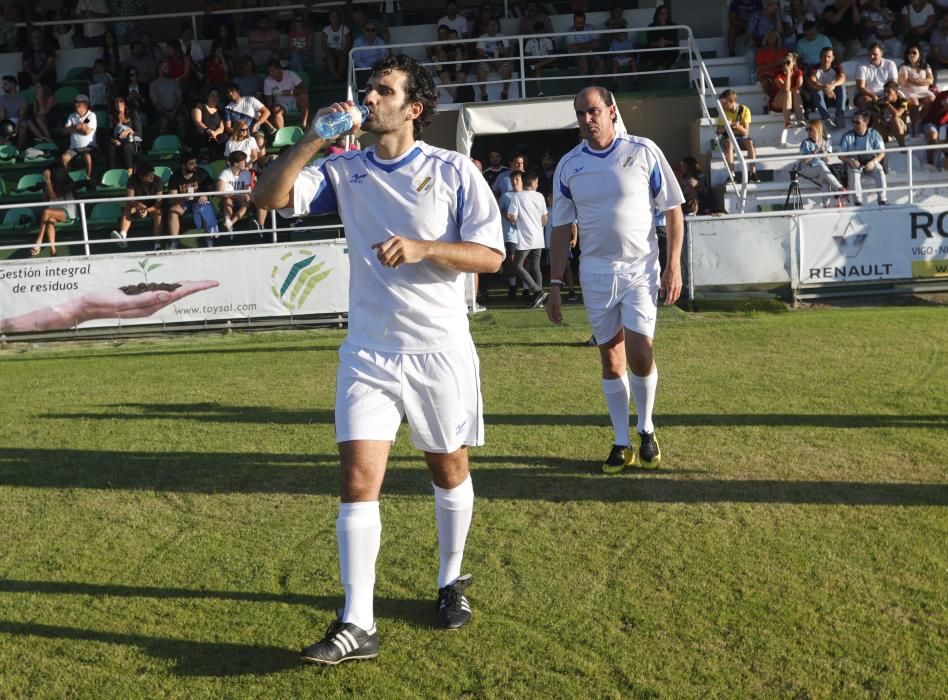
(167,99)
(126,130)
(531,15)
(372,47)
(64,34)
(864,138)
(455,72)
(241,140)
(151,48)
(739,15)
(581,42)
(90,10)
(503,182)
(661,39)
(249,109)
(817,168)
(915,79)
(616,20)
(337,41)
(125,31)
(191,48)
(143,62)
(842,24)
(44,101)
(538,48)
(938,54)
(767,19)
(811,44)
(493,48)
(482,19)
(39,62)
(495,167)
(785,94)
(215,17)
(101,85)
(623,62)
(889,114)
(739,118)
(528,211)
(826,88)
(247,78)
(208,120)
(218,68)
(935,125)
(227,41)
(459,23)
(793,20)
(360,19)
(7,33)
(134,91)
(180,67)
(871,77)
(57,187)
(191,179)
(80,127)
(236,177)
(918,20)
(769,61)
(143,185)
(301,44)
(878,26)
(14,107)
(264,41)
(111,53)
(284,92)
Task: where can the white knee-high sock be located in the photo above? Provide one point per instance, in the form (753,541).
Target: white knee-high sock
(643,389)
(359,536)
(453,511)
(616,392)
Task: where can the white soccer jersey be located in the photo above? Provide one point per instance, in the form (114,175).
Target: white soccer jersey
(611,194)
(276,88)
(427,194)
(530,207)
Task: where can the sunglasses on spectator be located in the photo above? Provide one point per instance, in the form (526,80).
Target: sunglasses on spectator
(242,131)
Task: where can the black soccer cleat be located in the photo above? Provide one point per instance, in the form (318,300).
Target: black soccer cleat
(454,610)
(343,642)
(649,450)
(620,457)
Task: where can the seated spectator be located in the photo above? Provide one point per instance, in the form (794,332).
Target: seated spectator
(234,178)
(864,138)
(371,48)
(811,44)
(938,50)
(217,68)
(793,20)
(739,13)
(264,41)
(215,17)
(661,39)
(842,24)
(769,60)
(878,24)
(623,62)
(152,49)
(918,20)
(826,88)
(39,62)
(192,49)
(92,10)
(14,107)
(101,85)
(538,49)
(249,109)
(337,41)
(532,13)
(871,77)
(180,67)
(817,168)
(247,78)
(459,23)
(480,18)
(126,134)
(494,47)
(915,79)
(889,113)
(935,124)
(57,187)
(226,40)
(7,33)
(616,19)
(134,91)
(143,185)
(64,34)
(80,127)
(285,93)
(451,69)
(241,140)
(143,62)
(191,179)
(111,53)
(301,44)
(765,20)
(208,133)
(581,42)
(44,101)
(360,19)
(739,118)
(785,94)
(167,100)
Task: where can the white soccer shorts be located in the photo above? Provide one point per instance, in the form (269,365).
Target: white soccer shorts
(439,393)
(615,301)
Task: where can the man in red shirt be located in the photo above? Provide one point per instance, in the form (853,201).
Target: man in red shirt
(935,123)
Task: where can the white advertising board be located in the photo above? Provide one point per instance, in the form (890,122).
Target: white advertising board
(734,251)
(200,285)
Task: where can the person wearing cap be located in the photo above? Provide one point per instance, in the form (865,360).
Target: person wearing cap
(80,127)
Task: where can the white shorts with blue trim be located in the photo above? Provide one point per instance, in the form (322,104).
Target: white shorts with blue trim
(620,300)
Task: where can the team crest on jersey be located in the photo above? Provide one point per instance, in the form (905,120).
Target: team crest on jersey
(423,184)
(358,178)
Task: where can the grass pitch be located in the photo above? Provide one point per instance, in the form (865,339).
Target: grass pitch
(167,513)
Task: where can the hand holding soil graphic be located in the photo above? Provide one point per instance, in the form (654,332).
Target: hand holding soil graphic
(133,301)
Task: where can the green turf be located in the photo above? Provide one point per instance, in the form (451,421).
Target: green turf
(167,513)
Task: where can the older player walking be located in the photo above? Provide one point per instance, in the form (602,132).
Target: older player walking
(610,184)
(416,218)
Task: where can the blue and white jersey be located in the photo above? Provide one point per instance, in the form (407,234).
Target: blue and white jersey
(429,194)
(611,195)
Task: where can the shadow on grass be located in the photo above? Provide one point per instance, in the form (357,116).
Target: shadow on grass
(134,353)
(211,412)
(495,476)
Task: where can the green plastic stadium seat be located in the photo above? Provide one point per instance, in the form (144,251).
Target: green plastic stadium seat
(66,95)
(164,173)
(78,176)
(12,220)
(165,147)
(26,187)
(46,146)
(78,73)
(286,137)
(8,153)
(104,216)
(113,181)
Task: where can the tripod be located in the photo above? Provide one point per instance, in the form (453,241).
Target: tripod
(794,199)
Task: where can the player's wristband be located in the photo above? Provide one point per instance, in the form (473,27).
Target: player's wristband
(556,283)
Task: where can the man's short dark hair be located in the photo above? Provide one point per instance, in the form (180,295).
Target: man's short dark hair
(863,115)
(188,155)
(9,78)
(875,45)
(143,168)
(419,87)
(579,14)
(232,86)
(236,157)
(808,25)
(530,177)
(825,49)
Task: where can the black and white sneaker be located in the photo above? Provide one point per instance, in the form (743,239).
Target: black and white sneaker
(649,450)
(536,301)
(454,610)
(343,642)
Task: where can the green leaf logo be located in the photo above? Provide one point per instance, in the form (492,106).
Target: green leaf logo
(293,281)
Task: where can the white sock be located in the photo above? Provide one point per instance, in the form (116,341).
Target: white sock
(359,536)
(453,510)
(643,389)
(616,392)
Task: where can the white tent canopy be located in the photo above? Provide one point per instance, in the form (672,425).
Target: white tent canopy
(513,117)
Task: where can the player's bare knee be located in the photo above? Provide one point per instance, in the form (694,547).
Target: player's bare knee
(448,470)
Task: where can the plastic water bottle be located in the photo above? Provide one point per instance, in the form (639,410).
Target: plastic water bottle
(332,124)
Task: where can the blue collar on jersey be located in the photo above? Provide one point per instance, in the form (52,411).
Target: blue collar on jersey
(601,154)
(390,167)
